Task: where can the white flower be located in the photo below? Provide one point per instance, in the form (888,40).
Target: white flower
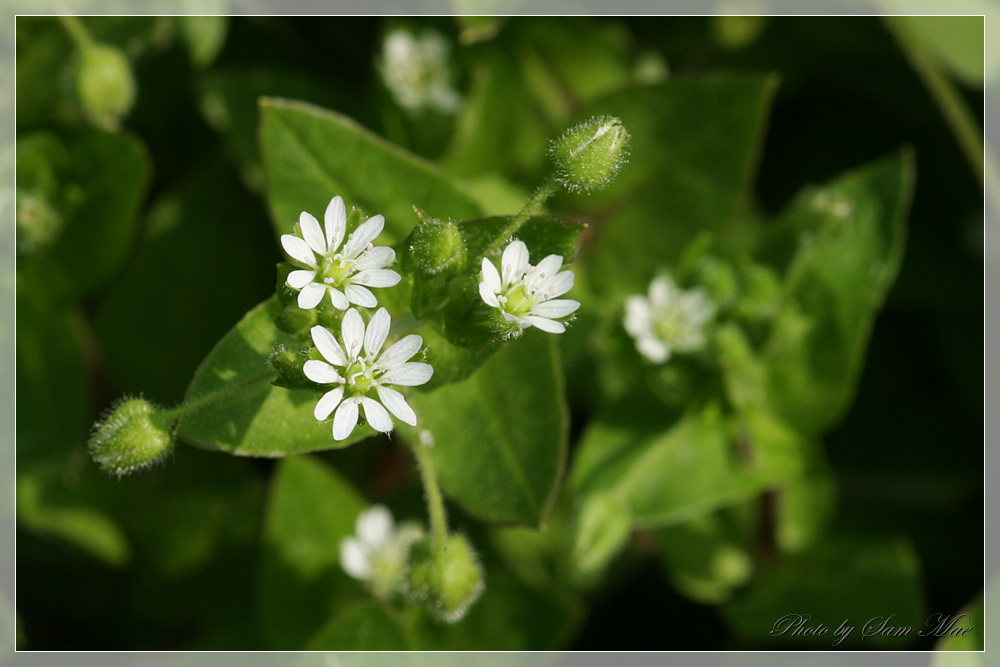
(670,319)
(345,275)
(363,376)
(523,294)
(374,529)
(416,71)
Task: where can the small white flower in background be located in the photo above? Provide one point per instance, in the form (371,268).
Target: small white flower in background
(525,295)
(361,372)
(669,319)
(378,552)
(373,530)
(417,73)
(345,274)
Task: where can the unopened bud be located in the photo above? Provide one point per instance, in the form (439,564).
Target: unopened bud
(589,155)
(434,245)
(105,85)
(135,435)
(450,581)
(288,361)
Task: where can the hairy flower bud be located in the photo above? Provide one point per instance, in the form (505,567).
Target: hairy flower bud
(450,581)
(105,85)
(289,361)
(434,245)
(136,434)
(588,156)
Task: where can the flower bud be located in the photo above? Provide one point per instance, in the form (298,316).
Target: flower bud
(434,245)
(450,581)
(589,155)
(135,435)
(105,85)
(288,361)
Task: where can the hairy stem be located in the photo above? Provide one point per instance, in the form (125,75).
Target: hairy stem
(539,197)
(74,26)
(435,501)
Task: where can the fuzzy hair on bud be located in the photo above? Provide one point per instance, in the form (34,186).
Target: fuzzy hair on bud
(589,155)
(449,583)
(135,435)
(434,245)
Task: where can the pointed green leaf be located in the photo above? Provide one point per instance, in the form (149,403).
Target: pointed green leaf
(311,509)
(311,155)
(367,626)
(264,420)
(500,436)
(840,247)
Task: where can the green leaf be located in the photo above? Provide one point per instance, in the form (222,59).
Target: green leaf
(262,420)
(86,528)
(311,509)
(704,557)
(849,579)
(840,247)
(693,151)
(500,436)
(204,37)
(955,41)
(367,626)
(52,403)
(99,180)
(311,154)
(229,104)
(190,235)
(956,639)
(667,473)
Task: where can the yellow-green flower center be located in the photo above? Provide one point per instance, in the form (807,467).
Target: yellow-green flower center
(334,272)
(518,302)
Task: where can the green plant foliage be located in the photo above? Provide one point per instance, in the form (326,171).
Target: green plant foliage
(311,155)
(310,510)
(367,626)
(255,423)
(505,468)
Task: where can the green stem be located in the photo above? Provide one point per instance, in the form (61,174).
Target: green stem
(435,501)
(946,95)
(228,391)
(74,26)
(540,196)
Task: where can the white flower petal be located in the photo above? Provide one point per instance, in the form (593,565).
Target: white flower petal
(487,294)
(638,315)
(376,278)
(549,266)
(360,296)
(345,419)
(378,257)
(555,309)
(490,277)
(660,291)
(555,286)
(312,233)
(328,346)
(397,405)
(378,329)
(354,558)
(311,295)
(653,349)
(547,325)
(352,331)
(408,375)
(374,525)
(363,235)
(327,403)
(335,221)
(320,372)
(298,250)
(400,352)
(376,415)
(337,298)
(513,263)
(299,279)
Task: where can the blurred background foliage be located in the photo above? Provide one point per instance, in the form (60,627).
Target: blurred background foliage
(144,234)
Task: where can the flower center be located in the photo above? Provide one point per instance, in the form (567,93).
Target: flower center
(518,302)
(670,326)
(359,377)
(335,272)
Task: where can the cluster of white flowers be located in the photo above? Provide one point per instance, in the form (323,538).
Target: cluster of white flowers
(416,71)
(525,295)
(363,375)
(669,319)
